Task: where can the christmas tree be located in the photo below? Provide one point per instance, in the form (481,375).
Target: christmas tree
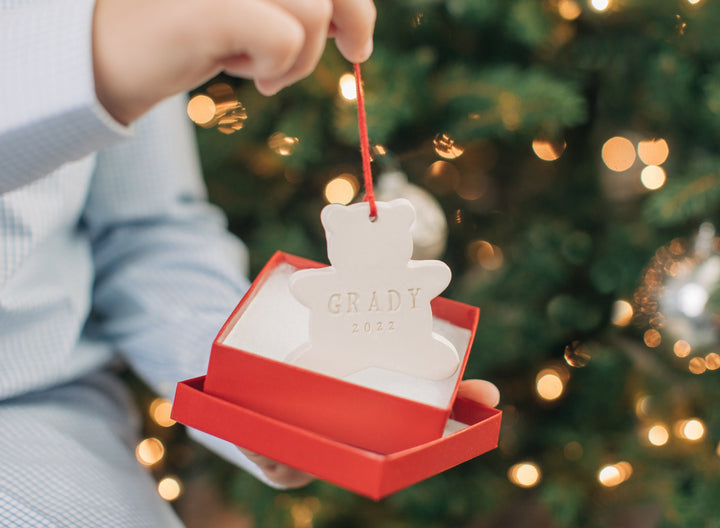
(571,148)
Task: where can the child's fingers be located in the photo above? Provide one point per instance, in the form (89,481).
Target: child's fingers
(278,473)
(353,24)
(480,391)
(314,16)
(247,48)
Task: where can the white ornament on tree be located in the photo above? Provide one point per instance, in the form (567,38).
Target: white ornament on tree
(429,232)
(371,307)
(685,296)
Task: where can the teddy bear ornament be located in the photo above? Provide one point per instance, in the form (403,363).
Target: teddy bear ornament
(371,306)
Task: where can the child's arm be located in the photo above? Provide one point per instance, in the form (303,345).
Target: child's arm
(147,50)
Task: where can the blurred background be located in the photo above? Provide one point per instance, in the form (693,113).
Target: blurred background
(563,157)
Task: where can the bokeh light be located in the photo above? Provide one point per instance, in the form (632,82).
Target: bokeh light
(201,109)
(569,9)
(160,409)
(347,87)
(697,365)
(652,338)
(658,435)
(548,150)
(682,348)
(618,153)
(550,383)
(577,355)
(282,143)
(652,177)
(653,151)
(445,146)
(150,451)
(692,298)
(487,255)
(442,177)
(230,114)
(692,429)
(169,488)
(615,474)
(642,405)
(600,5)
(524,474)
(341,189)
(712,361)
(622,313)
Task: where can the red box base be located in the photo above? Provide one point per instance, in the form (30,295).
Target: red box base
(332,407)
(365,472)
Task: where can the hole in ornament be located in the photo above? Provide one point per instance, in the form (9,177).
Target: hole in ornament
(373,218)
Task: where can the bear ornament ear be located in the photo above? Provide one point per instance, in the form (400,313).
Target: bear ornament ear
(402,211)
(329,215)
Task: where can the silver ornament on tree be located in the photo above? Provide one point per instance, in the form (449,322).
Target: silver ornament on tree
(429,232)
(684,300)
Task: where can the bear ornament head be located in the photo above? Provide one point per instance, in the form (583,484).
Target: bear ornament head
(356,241)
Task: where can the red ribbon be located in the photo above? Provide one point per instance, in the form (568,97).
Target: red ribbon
(364,144)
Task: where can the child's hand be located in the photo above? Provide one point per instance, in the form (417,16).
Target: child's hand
(277,472)
(147,50)
(480,391)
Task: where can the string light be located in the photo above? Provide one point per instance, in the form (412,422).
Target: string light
(652,338)
(681,348)
(550,382)
(346,87)
(653,151)
(577,355)
(341,189)
(169,488)
(691,429)
(442,177)
(150,451)
(230,114)
(445,146)
(658,435)
(697,365)
(615,474)
(622,313)
(304,511)
(569,9)
(201,109)
(524,474)
(485,254)
(282,143)
(712,361)
(160,409)
(618,153)
(641,406)
(652,177)
(548,150)
(600,5)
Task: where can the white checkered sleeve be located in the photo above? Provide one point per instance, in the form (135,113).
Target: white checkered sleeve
(49,113)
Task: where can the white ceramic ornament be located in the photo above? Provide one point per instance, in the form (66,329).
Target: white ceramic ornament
(371,307)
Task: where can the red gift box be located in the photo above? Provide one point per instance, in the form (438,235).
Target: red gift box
(371,474)
(298,416)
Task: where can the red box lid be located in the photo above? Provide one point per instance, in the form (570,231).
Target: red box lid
(365,472)
(347,412)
